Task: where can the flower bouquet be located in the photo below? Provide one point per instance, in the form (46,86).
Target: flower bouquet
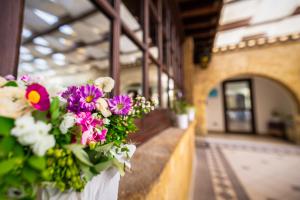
(63,141)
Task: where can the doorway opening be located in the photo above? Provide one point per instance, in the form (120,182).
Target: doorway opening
(238,106)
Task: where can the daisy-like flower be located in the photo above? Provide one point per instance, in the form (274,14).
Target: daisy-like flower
(38,97)
(88,97)
(120,105)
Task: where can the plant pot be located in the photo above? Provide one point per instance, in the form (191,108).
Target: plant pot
(182,121)
(103,186)
(191,114)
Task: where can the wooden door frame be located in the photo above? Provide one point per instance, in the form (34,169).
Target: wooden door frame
(253,121)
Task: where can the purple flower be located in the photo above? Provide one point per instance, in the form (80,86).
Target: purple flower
(88,97)
(82,99)
(10,77)
(120,105)
(73,98)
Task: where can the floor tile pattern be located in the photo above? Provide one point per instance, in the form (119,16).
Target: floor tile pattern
(246,169)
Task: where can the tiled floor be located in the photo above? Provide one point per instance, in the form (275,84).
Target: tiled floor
(238,167)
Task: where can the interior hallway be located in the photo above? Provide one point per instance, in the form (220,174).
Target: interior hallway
(242,167)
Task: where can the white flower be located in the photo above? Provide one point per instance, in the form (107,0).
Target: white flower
(68,122)
(106,121)
(33,134)
(106,84)
(44,143)
(3,81)
(12,102)
(102,106)
(124,157)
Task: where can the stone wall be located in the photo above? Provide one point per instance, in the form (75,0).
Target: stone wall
(161,168)
(279,62)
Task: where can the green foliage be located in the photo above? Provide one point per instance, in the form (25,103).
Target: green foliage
(37,162)
(64,170)
(10,84)
(119,128)
(6,124)
(180,107)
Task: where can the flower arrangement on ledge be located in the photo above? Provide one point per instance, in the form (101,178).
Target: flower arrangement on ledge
(62,140)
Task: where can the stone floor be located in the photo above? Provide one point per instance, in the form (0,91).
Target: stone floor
(240,167)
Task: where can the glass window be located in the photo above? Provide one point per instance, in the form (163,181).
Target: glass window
(153,81)
(164,90)
(171,92)
(64,53)
(131,79)
(131,16)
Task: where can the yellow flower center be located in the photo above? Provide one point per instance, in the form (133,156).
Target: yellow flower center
(34,97)
(120,106)
(89,99)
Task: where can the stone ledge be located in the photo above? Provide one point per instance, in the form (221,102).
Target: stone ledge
(149,163)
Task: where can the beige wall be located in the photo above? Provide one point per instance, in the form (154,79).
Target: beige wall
(280,62)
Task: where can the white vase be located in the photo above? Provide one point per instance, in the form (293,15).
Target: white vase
(191,114)
(182,121)
(103,186)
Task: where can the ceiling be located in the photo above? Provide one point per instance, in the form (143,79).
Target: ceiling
(63,37)
(200,20)
(258,19)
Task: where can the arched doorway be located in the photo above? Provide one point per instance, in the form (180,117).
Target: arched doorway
(250,104)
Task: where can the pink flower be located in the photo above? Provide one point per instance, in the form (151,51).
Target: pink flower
(94,135)
(91,128)
(38,97)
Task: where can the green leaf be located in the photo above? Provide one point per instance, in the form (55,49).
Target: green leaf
(54,109)
(7,165)
(80,154)
(120,166)
(104,148)
(86,171)
(42,116)
(29,174)
(6,124)
(37,162)
(103,165)
(6,145)
(11,84)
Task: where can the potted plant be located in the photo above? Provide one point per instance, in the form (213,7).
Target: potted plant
(180,109)
(72,144)
(191,112)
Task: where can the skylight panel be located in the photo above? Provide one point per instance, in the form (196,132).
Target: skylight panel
(26,33)
(66,29)
(41,64)
(47,17)
(43,50)
(40,41)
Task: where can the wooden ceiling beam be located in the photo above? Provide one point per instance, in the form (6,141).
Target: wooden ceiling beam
(201,11)
(236,24)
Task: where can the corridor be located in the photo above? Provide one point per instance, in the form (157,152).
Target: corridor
(242,167)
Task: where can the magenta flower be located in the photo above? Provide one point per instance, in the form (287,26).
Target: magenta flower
(90,127)
(87,121)
(38,97)
(93,136)
(120,105)
(10,77)
(82,99)
(88,97)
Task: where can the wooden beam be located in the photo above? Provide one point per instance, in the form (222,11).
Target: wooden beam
(201,34)
(115,47)
(201,11)
(200,25)
(236,24)
(145,8)
(11,18)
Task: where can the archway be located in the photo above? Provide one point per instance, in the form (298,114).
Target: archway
(271,111)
